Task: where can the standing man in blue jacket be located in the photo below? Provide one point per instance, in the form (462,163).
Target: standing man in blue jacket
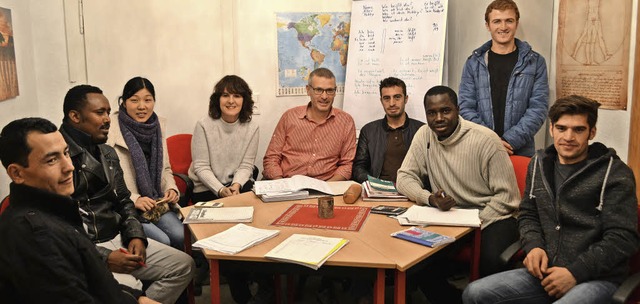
(504,83)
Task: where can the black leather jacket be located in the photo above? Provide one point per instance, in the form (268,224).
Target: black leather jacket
(372,144)
(108,210)
(46,256)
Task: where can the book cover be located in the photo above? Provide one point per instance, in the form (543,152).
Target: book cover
(388,210)
(423,237)
(219,215)
(369,195)
(381,184)
(306,250)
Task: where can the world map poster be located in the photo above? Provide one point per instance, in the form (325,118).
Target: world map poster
(307,41)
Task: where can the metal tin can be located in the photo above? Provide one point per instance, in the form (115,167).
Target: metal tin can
(325,207)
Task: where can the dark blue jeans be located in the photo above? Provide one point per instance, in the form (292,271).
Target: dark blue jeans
(518,286)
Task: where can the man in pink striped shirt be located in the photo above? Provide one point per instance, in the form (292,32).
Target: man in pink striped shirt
(316,139)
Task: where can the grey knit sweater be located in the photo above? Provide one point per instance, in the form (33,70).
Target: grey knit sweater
(222,153)
(471,165)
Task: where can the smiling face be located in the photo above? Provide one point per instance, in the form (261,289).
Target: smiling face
(442,115)
(571,135)
(393,101)
(321,103)
(93,118)
(502,25)
(140,105)
(230,106)
(49,165)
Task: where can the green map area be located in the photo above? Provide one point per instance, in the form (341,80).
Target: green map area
(307,41)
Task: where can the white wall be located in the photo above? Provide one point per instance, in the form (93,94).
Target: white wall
(535,27)
(184,47)
(613,125)
(256,56)
(26,104)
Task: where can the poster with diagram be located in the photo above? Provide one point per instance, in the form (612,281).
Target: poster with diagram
(593,50)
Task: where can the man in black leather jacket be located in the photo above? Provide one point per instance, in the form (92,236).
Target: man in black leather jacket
(383,143)
(46,255)
(106,208)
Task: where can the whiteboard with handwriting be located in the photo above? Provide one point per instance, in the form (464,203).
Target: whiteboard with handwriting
(403,39)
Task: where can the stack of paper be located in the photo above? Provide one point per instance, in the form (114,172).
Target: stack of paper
(220,215)
(423,215)
(236,239)
(423,237)
(295,188)
(285,196)
(306,250)
(379,190)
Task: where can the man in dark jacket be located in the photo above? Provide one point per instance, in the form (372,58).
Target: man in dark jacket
(383,143)
(577,220)
(46,255)
(105,202)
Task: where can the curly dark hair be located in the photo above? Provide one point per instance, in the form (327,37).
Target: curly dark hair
(234,85)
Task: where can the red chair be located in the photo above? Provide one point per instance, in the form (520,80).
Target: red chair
(520,166)
(4,204)
(471,253)
(179,150)
(628,291)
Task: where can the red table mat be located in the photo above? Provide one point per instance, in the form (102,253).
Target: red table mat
(348,218)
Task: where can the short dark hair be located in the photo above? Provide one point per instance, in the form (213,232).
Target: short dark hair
(321,72)
(14,148)
(134,85)
(234,85)
(501,5)
(393,82)
(437,90)
(575,105)
(76,98)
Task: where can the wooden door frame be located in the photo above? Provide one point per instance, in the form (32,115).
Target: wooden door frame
(634,136)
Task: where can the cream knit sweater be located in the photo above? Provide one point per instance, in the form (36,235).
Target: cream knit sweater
(471,165)
(222,153)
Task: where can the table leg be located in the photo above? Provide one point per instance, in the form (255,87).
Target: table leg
(475,255)
(187,249)
(400,287)
(214,281)
(378,288)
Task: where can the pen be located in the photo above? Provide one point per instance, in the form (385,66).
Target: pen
(141,263)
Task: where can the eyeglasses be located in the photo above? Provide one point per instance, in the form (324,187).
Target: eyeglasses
(319,91)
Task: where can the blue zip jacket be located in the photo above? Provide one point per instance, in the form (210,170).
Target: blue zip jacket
(527,96)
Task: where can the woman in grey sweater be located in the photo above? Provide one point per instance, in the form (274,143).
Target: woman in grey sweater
(225,143)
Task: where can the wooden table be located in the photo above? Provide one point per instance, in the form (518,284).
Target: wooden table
(371,247)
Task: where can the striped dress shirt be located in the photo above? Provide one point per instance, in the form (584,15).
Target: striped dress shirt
(300,146)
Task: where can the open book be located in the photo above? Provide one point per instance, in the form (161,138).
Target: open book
(306,250)
(297,187)
(424,215)
(236,239)
(219,215)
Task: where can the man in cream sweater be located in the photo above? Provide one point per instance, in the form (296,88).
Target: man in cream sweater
(454,162)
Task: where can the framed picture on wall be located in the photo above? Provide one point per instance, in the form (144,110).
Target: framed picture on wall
(8,72)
